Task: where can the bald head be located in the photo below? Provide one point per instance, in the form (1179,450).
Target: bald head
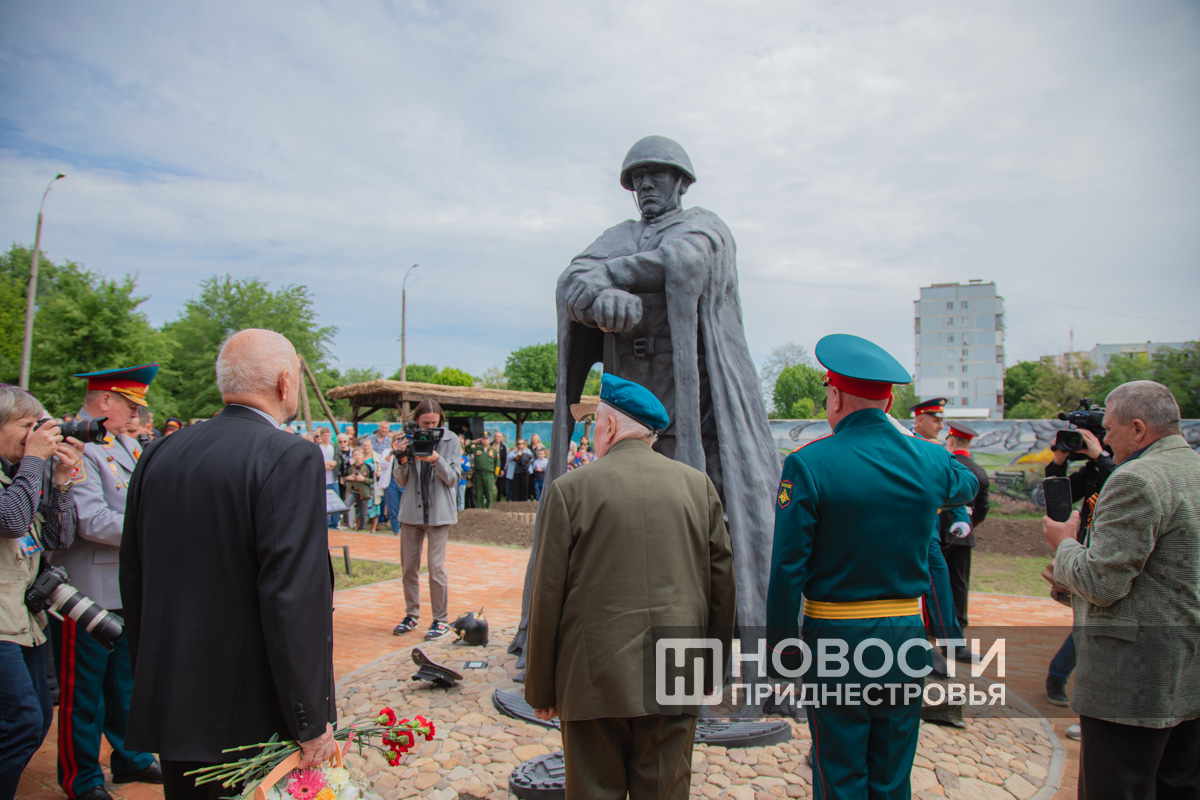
(259,368)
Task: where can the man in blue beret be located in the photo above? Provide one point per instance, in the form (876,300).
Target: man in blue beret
(853,517)
(634,541)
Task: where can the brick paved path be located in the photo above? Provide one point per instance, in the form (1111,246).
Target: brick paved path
(492,578)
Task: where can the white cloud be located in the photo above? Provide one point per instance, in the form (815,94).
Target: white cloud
(856,152)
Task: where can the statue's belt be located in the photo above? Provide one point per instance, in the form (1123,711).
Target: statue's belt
(863,609)
(644,346)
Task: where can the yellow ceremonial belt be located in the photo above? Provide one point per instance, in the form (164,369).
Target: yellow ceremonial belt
(863,609)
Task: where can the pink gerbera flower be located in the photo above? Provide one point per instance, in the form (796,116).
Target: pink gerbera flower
(306,785)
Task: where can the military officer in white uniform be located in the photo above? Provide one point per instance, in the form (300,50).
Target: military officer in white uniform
(96,684)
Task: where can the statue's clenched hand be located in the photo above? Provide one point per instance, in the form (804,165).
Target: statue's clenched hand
(616,311)
(583,290)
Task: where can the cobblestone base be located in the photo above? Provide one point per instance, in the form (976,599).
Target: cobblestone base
(476,748)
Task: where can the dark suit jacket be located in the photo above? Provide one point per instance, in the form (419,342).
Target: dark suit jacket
(628,543)
(227,590)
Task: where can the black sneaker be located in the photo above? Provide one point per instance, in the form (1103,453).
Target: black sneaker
(436,631)
(408,624)
(1056,693)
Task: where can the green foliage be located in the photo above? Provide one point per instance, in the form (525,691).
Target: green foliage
(906,398)
(1178,370)
(361,375)
(782,357)
(417,373)
(533,368)
(797,383)
(12,327)
(493,378)
(1019,380)
(591,386)
(226,305)
(452,376)
(82,323)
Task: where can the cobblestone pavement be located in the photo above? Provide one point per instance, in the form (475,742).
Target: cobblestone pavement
(477,748)
(491,578)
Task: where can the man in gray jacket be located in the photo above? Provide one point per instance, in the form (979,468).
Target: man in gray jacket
(1135,582)
(428,508)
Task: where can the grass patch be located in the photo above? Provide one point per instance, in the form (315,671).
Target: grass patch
(993,572)
(365,572)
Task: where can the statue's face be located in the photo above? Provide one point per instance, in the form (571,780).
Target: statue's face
(658,189)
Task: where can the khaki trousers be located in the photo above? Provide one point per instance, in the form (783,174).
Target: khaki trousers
(647,758)
(411,539)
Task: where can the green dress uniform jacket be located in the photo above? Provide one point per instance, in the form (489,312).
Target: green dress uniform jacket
(1135,584)
(632,542)
(853,523)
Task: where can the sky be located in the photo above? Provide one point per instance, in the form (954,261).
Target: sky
(858,151)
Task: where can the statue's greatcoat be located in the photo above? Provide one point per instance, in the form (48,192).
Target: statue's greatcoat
(690,257)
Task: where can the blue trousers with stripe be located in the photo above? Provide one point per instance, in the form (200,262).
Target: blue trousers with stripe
(94,690)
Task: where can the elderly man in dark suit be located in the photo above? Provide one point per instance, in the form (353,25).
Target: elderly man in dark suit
(226,579)
(1135,584)
(632,542)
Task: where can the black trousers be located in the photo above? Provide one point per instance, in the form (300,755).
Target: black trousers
(178,787)
(1127,762)
(958,561)
(646,758)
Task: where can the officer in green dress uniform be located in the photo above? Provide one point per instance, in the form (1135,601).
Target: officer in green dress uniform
(938,605)
(853,518)
(96,684)
(484,460)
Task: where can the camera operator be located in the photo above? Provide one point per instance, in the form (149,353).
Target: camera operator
(1086,483)
(35,515)
(427,510)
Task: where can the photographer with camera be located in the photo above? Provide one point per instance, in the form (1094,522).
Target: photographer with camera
(36,514)
(428,465)
(1081,443)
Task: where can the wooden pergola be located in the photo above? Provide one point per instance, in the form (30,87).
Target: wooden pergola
(367,398)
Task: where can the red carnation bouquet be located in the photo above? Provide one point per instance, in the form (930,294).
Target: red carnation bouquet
(271,774)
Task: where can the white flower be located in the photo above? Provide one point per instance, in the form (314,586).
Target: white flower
(335,777)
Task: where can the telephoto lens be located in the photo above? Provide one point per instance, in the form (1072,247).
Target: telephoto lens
(52,593)
(85,430)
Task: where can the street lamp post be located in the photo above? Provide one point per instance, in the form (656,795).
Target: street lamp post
(403,320)
(31,292)
(403,315)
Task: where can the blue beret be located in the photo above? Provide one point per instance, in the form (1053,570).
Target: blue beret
(631,399)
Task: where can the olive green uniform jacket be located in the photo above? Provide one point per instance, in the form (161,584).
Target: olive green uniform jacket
(628,543)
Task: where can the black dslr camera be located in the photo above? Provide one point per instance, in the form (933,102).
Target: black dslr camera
(85,430)
(421,441)
(1089,417)
(52,593)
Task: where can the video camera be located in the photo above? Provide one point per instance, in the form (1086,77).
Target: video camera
(85,430)
(423,441)
(1088,417)
(52,592)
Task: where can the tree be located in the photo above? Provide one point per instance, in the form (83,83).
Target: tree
(452,376)
(226,305)
(797,383)
(782,357)
(533,368)
(906,398)
(361,375)
(1055,390)
(493,378)
(86,323)
(1019,380)
(591,386)
(417,373)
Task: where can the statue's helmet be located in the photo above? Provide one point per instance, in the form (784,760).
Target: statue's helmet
(657,150)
